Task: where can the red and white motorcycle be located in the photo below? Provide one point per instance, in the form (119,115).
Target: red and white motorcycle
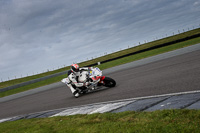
(95,78)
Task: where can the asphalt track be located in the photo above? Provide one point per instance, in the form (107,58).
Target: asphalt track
(175,74)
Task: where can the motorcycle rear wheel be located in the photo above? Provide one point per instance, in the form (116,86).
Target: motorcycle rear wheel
(109,82)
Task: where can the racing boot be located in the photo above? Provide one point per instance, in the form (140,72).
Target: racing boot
(74,91)
(76,94)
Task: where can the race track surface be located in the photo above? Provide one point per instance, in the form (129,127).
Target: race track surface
(176,74)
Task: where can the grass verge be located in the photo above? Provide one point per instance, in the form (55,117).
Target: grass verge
(107,65)
(165,121)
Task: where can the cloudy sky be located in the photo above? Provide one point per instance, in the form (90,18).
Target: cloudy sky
(36,35)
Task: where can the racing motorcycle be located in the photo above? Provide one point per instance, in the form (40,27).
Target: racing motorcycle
(95,78)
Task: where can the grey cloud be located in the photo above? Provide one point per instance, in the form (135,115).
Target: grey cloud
(46,34)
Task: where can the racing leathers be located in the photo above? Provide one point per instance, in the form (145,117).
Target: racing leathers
(72,81)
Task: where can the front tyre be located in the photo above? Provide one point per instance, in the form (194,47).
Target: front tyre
(109,82)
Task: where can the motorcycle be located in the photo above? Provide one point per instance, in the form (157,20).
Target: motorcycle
(95,79)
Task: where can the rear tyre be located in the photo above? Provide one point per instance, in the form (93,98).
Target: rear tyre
(109,82)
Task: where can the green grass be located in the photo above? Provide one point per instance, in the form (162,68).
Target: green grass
(106,57)
(166,121)
(107,65)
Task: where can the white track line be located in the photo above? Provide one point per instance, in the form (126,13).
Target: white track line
(102,105)
(139,98)
(111,105)
(130,99)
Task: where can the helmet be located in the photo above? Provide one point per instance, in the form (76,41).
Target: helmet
(74,68)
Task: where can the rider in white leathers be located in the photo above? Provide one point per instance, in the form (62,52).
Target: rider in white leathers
(72,79)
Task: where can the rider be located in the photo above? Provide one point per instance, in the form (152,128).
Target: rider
(72,79)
